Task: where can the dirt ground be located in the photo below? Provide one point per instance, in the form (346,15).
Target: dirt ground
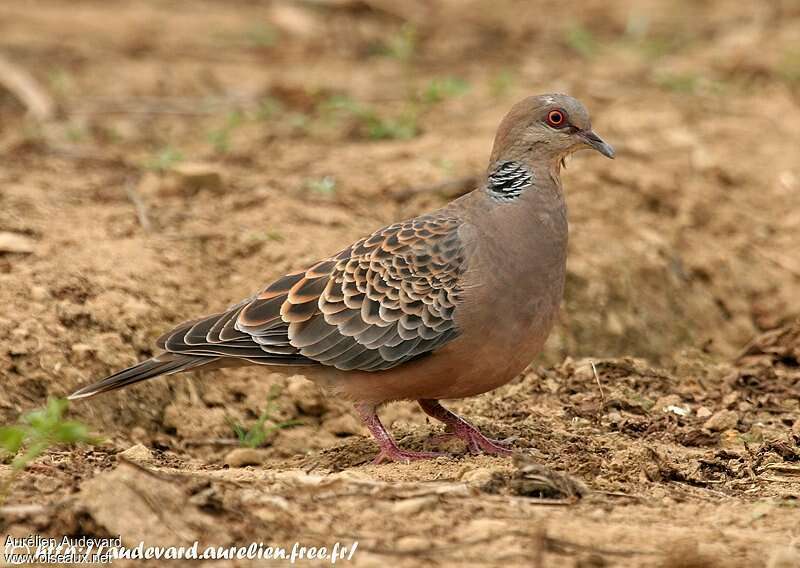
(194,150)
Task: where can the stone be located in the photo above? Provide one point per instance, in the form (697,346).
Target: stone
(189,178)
(414,505)
(16,243)
(241,457)
(307,397)
(722,420)
(138,453)
(703,412)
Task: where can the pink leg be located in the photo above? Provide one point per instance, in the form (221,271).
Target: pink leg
(460,428)
(389,451)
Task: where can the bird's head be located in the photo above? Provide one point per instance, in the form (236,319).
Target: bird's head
(544,129)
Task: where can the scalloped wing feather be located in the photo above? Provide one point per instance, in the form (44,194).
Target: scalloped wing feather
(387,299)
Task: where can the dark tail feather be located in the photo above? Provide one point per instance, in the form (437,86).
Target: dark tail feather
(164,364)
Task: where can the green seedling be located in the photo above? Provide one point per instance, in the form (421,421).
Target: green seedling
(324,185)
(261,35)
(370,123)
(437,90)
(502,83)
(275,236)
(581,41)
(678,82)
(35,433)
(164,159)
(268,107)
(402,127)
(220,138)
(77,132)
(402,45)
(60,81)
(789,68)
(299,122)
(257,434)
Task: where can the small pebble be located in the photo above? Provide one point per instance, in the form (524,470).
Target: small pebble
(138,453)
(241,457)
(722,420)
(703,412)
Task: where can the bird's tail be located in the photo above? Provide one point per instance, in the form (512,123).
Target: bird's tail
(163,364)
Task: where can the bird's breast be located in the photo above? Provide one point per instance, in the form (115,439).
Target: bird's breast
(514,283)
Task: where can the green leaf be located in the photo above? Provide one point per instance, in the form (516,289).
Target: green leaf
(11,438)
(33,452)
(37,419)
(440,89)
(70,432)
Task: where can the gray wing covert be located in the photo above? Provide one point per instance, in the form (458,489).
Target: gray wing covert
(386,299)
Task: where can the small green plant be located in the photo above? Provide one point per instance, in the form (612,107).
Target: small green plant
(438,90)
(678,82)
(640,36)
(60,81)
(261,35)
(299,121)
(370,123)
(501,83)
(402,127)
(447,166)
(788,69)
(257,434)
(581,41)
(77,132)
(267,108)
(691,83)
(36,432)
(220,138)
(275,236)
(325,185)
(402,45)
(164,159)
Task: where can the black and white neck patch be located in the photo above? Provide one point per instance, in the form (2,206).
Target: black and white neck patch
(508,180)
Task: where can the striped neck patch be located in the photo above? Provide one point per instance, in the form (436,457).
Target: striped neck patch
(508,180)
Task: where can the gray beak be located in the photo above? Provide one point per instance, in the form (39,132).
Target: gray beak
(597,143)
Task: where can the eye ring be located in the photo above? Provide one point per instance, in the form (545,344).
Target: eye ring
(557,118)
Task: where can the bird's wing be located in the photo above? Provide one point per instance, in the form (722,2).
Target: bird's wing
(388,298)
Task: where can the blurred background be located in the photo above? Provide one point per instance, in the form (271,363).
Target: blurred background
(164,159)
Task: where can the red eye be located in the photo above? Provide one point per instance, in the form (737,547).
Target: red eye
(556,118)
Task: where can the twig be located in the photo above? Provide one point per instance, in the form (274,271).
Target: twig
(25,510)
(141,208)
(778,479)
(24,87)
(779,261)
(599,385)
(617,494)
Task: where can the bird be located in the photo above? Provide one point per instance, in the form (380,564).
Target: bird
(449,304)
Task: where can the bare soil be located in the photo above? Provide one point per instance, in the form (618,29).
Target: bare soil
(199,149)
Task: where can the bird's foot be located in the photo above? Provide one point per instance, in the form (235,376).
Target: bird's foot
(394,454)
(476,442)
(457,427)
(389,450)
